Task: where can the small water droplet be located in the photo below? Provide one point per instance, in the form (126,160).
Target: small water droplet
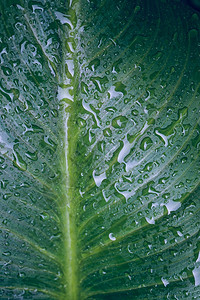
(94,64)
(21,275)
(107,132)
(7,196)
(150,221)
(111,237)
(119,122)
(32,155)
(146,144)
(165,281)
(44,215)
(6,253)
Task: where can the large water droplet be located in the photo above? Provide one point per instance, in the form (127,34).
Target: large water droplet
(18,161)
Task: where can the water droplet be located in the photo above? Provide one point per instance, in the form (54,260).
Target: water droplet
(134,112)
(32,155)
(140,181)
(148,167)
(65,93)
(166,195)
(44,215)
(196,274)
(5,221)
(126,193)
(106,198)
(163,180)
(102,272)
(7,71)
(54,113)
(130,250)
(81,122)
(107,132)
(111,237)
(119,122)
(4,184)
(179,233)
(94,64)
(46,114)
(115,66)
(146,144)
(64,19)
(171,206)
(92,110)
(18,162)
(2,160)
(150,221)
(69,68)
(7,196)
(21,275)
(165,281)
(117,90)
(6,253)
(100,83)
(166,133)
(99,178)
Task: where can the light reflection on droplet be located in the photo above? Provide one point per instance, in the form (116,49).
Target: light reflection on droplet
(111,237)
(98,178)
(165,281)
(196,274)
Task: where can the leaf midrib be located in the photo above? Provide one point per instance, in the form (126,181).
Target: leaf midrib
(68,210)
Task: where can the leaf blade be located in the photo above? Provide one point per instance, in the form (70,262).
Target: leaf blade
(96,189)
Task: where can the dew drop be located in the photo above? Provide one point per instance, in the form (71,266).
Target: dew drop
(196,274)
(111,237)
(44,216)
(146,144)
(107,132)
(99,178)
(171,206)
(119,122)
(150,221)
(21,275)
(32,155)
(18,162)
(94,64)
(165,281)
(6,253)
(63,19)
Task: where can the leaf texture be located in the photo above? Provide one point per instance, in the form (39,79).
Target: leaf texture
(99,140)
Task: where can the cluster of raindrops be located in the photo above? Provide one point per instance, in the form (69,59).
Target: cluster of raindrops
(140,139)
(30,146)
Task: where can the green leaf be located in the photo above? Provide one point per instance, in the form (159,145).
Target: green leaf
(99,140)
